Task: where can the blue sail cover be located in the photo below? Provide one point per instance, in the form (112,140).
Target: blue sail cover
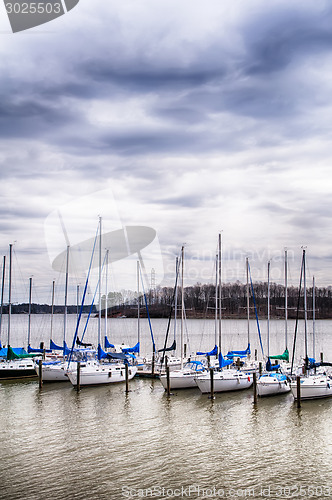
(232,354)
(55,347)
(66,349)
(100,353)
(19,351)
(119,355)
(111,355)
(31,349)
(224,362)
(131,349)
(214,352)
(171,348)
(270,367)
(107,343)
(312,363)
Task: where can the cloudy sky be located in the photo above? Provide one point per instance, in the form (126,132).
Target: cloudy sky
(187,117)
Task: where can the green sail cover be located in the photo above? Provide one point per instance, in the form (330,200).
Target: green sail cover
(284,356)
(12,355)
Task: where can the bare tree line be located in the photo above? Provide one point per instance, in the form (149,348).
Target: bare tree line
(200,301)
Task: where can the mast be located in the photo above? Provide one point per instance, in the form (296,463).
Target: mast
(77,301)
(99,315)
(2,293)
(176,295)
(106,292)
(305,308)
(29,320)
(248,311)
(138,311)
(268,308)
(10,291)
(219,287)
(66,299)
(182,305)
(313,316)
(52,309)
(216,306)
(286,301)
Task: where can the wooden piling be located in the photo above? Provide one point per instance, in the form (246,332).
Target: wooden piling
(260,368)
(298,391)
(41,346)
(152,367)
(211,383)
(127,378)
(255,387)
(168,384)
(78,384)
(40,373)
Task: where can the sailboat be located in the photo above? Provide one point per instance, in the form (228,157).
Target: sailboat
(272,382)
(224,380)
(56,370)
(185,376)
(108,367)
(15,363)
(312,385)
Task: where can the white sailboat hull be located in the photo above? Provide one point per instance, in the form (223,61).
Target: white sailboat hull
(97,374)
(270,385)
(172,363)
(224,381)
(313,387)
(54,373)
(180,379)
(17,368)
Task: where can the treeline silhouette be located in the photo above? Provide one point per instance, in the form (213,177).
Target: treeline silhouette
(199,301)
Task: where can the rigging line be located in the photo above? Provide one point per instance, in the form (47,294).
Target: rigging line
(171,310)
(186,328)
(208,297)
(297,315)
(64,230)
(93,300)
(253,296)
(83,298)
(147,310)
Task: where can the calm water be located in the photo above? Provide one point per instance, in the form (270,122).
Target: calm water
(103,444)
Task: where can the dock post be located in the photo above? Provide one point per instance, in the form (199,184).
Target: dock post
(168,385)
(255,387)
(260,368)
(40,373)
(78,384)
(152,367)
(211,384)
(127,378)
(298,391)
(41,346)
